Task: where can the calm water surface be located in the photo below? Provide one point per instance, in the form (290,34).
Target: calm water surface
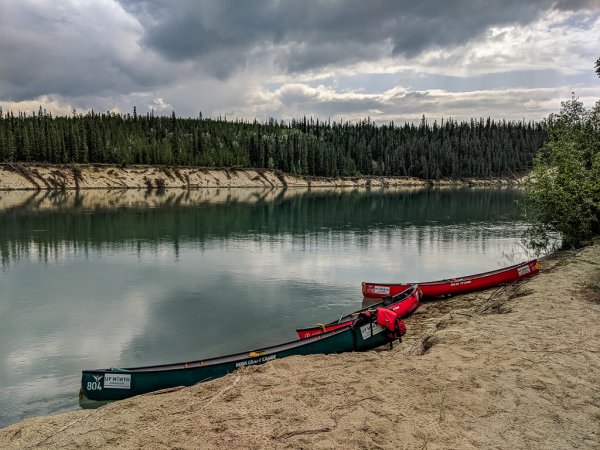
(119,279)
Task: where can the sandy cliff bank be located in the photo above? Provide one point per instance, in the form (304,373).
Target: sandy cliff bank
(515,367)
(33,176)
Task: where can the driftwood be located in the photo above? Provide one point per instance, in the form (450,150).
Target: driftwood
(222,391)
(47,438)
(289,434)
(166,391)
(355,402)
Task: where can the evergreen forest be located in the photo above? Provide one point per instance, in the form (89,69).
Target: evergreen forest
(451,149)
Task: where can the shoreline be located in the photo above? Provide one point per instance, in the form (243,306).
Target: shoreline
(21,176)
(509,367)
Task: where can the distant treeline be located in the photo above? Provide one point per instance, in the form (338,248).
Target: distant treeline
(478,148)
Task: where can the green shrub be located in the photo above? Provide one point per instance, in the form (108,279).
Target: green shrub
(563,193)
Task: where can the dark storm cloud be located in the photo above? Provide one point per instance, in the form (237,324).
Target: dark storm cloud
(577,5)
(175,52)
(307,35)
(70,50)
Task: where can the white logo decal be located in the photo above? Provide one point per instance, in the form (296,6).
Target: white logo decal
(365,330)
(117,381)
(251,362)
(369,330)
(95,385)
(385,290)
(377,329)
(523,270)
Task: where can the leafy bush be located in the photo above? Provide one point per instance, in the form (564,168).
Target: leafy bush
(563,193)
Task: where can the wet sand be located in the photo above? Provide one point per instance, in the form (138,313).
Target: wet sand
(512,367)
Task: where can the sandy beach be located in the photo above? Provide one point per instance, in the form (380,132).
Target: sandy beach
(512,367)
(30,176)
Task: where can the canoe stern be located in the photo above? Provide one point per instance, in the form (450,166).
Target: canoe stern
(103,385)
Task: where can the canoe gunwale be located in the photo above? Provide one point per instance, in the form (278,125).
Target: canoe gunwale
(454,280)
(116,384)
(459,285)
(410,293)
(225,359)
(349,318)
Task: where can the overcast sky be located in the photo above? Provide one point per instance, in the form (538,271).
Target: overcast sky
(339,59)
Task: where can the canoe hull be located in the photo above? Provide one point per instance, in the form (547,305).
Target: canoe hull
(403,303)
(453,286)
(118,384)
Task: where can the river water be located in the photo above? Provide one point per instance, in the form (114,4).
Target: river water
(127,278)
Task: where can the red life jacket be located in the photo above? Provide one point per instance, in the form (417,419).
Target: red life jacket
(401,328)
(386,318)
(390,320)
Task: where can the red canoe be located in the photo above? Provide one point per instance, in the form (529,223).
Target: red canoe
(461,285)
(403,303)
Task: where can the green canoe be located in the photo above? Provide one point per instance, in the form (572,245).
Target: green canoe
(117,384)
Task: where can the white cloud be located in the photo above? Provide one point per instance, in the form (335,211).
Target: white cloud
(159,104)
(549,43)
(97,55)
(57,106)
